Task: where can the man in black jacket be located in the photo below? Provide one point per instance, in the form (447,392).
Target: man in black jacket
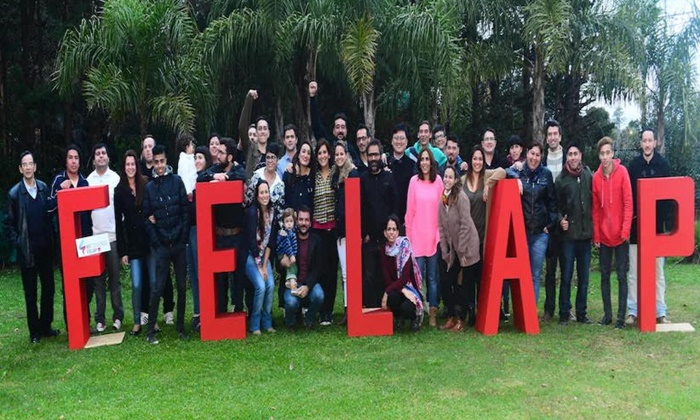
(379,199)
(402,167)
(29,227)
(648,164)
(307,291)
(166,206)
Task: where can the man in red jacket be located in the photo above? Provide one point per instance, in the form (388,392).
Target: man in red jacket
(612,221)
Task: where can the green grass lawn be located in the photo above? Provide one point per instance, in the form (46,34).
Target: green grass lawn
(572,371)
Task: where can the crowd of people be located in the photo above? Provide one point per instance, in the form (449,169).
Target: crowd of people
(424,213)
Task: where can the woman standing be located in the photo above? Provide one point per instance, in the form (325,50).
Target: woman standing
(478,181)
(343,169)
(424,194)
(459,243)
(402,278)
(269,174)
(324,226)
(260,239)
(299,179)
(539,201)
(132,241)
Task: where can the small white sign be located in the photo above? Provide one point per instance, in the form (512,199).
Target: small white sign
(91,245)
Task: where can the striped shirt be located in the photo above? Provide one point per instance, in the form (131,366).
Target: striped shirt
(324,203)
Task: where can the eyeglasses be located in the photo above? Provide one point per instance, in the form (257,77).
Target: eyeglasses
(271,157)
(27,164)
(439,136)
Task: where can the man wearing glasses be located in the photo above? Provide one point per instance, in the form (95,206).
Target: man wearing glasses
(29,225)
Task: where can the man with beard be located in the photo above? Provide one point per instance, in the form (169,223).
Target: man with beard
(254,152)
(340,125)
(228,222)
(362,139)
(453,158)
(648,164)
(290,140)
(402,168)
(379,199)
(166,206)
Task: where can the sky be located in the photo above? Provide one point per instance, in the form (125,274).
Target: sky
(677,12)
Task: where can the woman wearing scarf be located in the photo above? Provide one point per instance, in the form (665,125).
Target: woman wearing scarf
(459,243)
(402,278)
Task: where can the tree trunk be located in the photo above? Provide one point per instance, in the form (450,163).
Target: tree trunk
(279,117)
(369,110)
(527,97)
(538,97)
(660,129)
(3,106)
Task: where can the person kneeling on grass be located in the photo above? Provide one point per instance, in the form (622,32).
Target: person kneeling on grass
(402,277)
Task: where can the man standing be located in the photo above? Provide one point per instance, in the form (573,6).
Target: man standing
(362,139)
(612,220)
(488,143)
(103,222)
(403,168)
(290,141)
(574,191)
(439,138)
(254,152)
(379,199)
(166,205)
(29,228)
(554,159)
(71,177)
(648,164)
(309,292)
(424,142)
(340,121)
(147,144)
(453,158)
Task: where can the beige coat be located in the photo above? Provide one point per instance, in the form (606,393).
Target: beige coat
(458,233)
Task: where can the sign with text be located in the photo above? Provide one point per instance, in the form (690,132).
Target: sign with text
(91,245)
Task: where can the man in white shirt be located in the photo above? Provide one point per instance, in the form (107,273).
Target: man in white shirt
(103,222)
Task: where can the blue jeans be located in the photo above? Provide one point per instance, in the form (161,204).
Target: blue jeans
(292,304)
(262,296)
(580,251)
(537,245)
(192,267)
(429,269)
(137,267)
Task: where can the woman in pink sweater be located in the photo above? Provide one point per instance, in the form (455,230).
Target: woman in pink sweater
(424,194)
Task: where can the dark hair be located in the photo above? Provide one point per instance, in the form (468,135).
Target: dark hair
(491,130)
(289,212)
(211,136)
(261,118)
(363,127)
(230,146)
(139,179)
(641,133)
(392,218)
(159,149)
(99,146)
(23,154)
(323,143)
(573,144)
(290,127)
(305,209)
(261,215)
(453,138)
(377,143)
(75,147)
(515,139)
(400,127)
(204,150)
(438,127)
(273,148)
(432,172)
(184,140)
(602,142)
(470,169)
(457,187)
(552,123)
(342,116)
(536,144)
(295,162)
(426,122)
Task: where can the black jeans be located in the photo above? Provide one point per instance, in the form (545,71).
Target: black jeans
(372,281)
(329,270)
(580,253)
(400,305)
(164,256)
(621,253)
(550,277)
(454,293)
(39,321)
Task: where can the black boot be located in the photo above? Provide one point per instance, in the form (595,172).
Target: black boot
(471,316)
(344,319)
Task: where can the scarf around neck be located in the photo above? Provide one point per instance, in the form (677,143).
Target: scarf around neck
(403,252)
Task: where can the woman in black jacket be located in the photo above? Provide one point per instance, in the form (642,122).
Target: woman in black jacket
(132,241)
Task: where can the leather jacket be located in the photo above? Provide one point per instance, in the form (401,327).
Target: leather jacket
(16,220)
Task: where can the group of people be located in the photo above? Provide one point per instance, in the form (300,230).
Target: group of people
(424,218)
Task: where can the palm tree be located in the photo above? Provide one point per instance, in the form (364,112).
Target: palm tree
(136,59)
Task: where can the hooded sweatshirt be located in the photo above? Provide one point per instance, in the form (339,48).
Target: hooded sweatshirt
(612,206)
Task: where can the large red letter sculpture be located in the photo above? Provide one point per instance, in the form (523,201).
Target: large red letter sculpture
(361,322)
(215,326)
(70,203)
(506,257)
(680,242)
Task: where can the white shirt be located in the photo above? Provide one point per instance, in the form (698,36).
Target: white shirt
(103,219)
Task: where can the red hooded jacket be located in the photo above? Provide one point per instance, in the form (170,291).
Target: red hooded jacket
(612,206)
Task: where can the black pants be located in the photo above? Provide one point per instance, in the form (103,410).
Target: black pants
(550,278)
(329,270)
(164,256)
(89,290)
(460,297)
(168,298)
(372,281)
(39,321)
(622,265)
(400,305)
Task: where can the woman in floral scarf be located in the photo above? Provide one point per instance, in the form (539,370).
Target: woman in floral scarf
(402,277)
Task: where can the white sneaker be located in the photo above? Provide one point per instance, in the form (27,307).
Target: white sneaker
(100,327)
(144,318)
(630,320)
(169,318)
(117,325)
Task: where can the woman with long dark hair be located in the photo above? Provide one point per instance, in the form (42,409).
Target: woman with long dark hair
(299,178)
(132,241)
(261,237)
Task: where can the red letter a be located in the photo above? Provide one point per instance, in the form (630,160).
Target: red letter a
(506,257)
